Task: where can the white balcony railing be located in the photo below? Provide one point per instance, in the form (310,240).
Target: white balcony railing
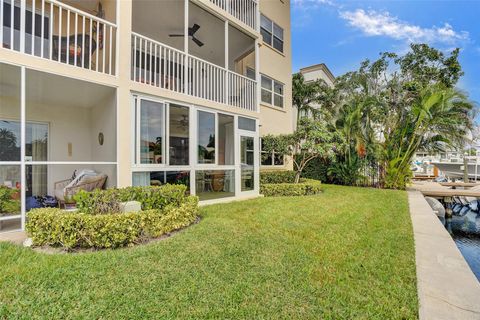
(159,65)
(243,10)
(53,30)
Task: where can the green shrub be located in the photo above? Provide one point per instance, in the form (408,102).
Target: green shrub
(55,227)
(317,169)
(108,201)
(280,176)
(304,188)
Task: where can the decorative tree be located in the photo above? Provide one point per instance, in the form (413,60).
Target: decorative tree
(311,140)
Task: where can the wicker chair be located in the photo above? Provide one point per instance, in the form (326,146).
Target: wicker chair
(88,183)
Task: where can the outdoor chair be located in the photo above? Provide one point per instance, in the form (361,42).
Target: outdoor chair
(85,180)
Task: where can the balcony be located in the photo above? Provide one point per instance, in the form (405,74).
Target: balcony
(244,10)
(65,33)
(217,64)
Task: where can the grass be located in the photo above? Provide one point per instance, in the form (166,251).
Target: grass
(345,254)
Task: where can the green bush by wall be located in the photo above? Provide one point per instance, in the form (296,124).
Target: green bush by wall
(55,227)
(317,169)
(279,176)
(304,188)
(108,201)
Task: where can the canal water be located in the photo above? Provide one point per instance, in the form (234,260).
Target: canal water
(465,231)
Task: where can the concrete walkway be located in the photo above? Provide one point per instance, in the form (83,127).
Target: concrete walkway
(447,288)
(16,237)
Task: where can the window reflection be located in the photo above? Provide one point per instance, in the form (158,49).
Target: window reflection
(179,135)
(206,137)
(151,132)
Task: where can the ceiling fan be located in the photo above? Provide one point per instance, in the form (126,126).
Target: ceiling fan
(191,33)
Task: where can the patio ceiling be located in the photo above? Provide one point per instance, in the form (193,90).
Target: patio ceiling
(50,89)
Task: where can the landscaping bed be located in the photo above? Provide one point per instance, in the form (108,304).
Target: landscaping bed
(345,254)
(100,222)
(281,183)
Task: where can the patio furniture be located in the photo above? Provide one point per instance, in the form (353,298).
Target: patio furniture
(87,180)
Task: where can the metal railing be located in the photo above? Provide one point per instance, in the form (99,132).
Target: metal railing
(159,65)
(53,30)
(244,10)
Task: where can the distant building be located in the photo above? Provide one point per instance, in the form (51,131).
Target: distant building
(318,71)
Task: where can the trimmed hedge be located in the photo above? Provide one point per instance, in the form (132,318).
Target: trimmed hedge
(55,227)
(108,201)
(304,188)
(280,176)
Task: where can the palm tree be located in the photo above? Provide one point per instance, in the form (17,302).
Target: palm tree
(314,98)
(439,117)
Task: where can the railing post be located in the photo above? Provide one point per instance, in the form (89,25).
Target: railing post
(257,16)
(22,24)
(227,76)
(257,76)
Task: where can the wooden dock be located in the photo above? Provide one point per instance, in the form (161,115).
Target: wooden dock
(459,184)
(446,193)
(450,193)
(443,190)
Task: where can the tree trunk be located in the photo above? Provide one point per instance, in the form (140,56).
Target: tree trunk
(297,176)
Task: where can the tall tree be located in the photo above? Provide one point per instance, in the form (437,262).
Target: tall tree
(313,98)
(398,104)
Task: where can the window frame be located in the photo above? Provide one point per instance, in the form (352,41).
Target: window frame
(272,33)
(138,121)
(272,157)
(272,92)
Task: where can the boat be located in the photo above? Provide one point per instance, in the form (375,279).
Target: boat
(456,170)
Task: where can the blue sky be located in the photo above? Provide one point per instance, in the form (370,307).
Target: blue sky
(343,33)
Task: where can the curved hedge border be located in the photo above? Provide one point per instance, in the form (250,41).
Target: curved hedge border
(55,227)
(304,188)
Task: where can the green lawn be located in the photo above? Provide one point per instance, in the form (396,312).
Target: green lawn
(345,254)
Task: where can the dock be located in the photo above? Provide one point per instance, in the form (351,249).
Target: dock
(446,193)
(450,193)
(447,189)
(460,184)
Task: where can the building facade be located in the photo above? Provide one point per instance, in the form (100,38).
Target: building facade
(141,93)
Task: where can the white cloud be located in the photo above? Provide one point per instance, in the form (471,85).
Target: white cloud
(374,23)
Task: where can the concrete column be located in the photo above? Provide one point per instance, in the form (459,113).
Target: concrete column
(124,100)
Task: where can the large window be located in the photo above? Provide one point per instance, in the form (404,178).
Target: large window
(215,184)
(179,135)
(272,33)
(152,130)
(206,137)
(169,135)
(226,143)
(272,92)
